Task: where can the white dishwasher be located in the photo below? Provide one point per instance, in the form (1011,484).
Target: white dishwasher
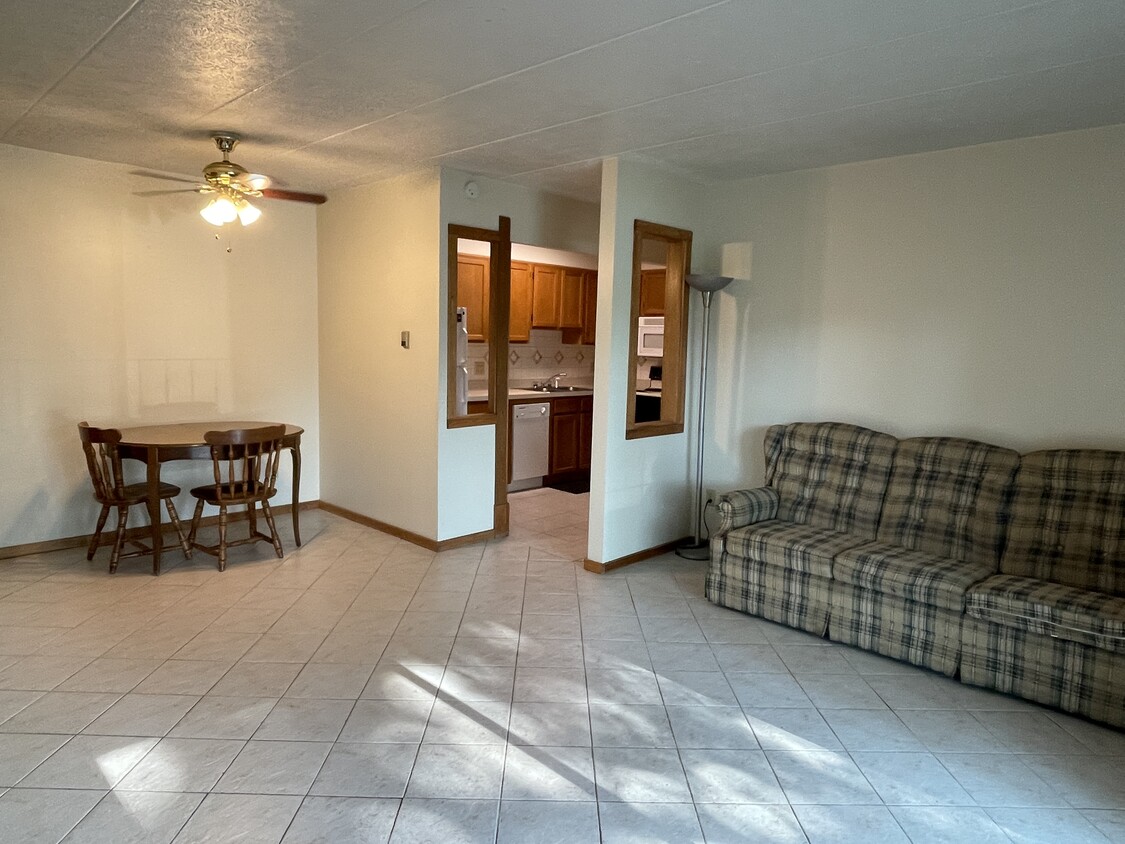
(531,442)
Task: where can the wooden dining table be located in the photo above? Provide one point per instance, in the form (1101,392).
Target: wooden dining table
(156,444)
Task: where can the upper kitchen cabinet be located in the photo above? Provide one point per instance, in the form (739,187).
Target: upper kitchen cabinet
(571,295)
(519,320)
(472,294)
(546,296)
(652,292)
(590,308)
(586,332)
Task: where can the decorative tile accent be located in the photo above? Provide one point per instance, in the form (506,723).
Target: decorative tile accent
(513,356)
(579,357)
(559,357)
(537,357)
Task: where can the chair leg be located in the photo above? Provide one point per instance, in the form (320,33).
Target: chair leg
(222,537)
(195,521)
(252,518)
(273,529)
(174,516)
(119,539)
(95,540)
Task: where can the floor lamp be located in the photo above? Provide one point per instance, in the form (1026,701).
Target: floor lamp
(699,549)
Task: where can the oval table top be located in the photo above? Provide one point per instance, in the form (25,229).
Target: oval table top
(191,433)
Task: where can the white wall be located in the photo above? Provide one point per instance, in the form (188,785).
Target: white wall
(976,292)
(123,309)
(467,465)
(640,490)
(380,249)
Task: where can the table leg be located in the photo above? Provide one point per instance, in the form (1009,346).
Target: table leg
(295,451)
(154,506)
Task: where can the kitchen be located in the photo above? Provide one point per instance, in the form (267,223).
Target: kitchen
(550,356)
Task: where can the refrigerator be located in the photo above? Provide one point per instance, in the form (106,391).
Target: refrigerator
(461,363)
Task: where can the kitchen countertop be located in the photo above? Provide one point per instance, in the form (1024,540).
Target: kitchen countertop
(523,393)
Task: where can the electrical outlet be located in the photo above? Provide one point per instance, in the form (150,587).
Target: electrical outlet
(710,496)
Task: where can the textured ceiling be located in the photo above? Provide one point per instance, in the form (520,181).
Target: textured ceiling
(328,94)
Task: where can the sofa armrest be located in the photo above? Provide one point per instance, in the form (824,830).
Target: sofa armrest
(742,507)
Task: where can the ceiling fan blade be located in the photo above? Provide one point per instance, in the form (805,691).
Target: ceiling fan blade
(165,192)
(294,196)
(149,174)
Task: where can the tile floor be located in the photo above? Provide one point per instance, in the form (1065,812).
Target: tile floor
(363,689)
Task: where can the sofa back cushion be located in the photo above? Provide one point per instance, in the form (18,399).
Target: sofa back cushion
(829,474)
(1068,519)
(948,497)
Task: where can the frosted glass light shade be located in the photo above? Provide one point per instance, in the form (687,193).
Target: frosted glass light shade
(247,213)
(707,283)
(219,211)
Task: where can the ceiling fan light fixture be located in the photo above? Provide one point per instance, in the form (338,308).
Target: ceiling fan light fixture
(219,211)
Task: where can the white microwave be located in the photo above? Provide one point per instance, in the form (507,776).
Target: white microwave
(650,337)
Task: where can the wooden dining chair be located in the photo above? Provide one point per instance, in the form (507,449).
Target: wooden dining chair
(104,463)
(245,468)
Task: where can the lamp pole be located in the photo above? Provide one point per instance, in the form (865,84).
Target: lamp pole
(707,285)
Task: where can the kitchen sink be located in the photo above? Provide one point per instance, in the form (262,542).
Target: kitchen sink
(547,388)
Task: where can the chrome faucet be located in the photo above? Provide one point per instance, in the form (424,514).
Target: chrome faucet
(546,383)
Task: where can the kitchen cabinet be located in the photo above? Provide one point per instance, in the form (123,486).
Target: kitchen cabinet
(652,292)
(571,293)
(519,320)
(472,294)
(571,434)
(589,308)
(546,296)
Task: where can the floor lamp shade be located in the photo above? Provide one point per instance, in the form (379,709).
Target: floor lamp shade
(707,285)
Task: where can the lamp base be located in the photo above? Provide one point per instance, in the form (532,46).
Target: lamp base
(694,550)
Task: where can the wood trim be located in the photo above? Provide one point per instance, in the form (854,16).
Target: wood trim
(141,532)
(402,533)
(471,421)
(675,316)
(629,559)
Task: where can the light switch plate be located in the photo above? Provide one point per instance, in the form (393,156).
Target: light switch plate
(404,341)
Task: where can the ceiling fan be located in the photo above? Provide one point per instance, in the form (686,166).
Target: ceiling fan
(231,186)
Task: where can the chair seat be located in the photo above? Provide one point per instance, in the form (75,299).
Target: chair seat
(136,493)
(911,575)
(1050,609)
(232,493)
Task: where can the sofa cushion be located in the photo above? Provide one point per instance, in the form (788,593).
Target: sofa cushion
(912,575)
(803,548)
(1050,609)
(829,474)
(1068,519)
(745,507)
(948,497)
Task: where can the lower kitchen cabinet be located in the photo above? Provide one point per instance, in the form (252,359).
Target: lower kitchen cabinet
(571,434)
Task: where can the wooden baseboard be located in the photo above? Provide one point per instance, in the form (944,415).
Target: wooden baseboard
(141,533)
(629,559)
(409,536)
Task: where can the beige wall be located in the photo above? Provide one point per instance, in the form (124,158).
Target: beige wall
(379,251)
(976,292)
(124,309)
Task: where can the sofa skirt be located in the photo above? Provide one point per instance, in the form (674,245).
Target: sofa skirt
(1070,676)
(913,632)
(795,598)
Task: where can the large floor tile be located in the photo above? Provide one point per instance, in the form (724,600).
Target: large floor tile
(135,817)
(43,815)
(93,762)
(423,821)
(246,818)
(547,822)
(274,767)
(342,820)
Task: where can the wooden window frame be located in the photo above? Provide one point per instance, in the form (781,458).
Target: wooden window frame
(673,385)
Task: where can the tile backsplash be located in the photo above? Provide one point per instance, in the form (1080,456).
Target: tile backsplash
(541,357)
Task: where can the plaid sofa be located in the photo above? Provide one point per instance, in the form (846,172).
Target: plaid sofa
(1050,626)
(947,553)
